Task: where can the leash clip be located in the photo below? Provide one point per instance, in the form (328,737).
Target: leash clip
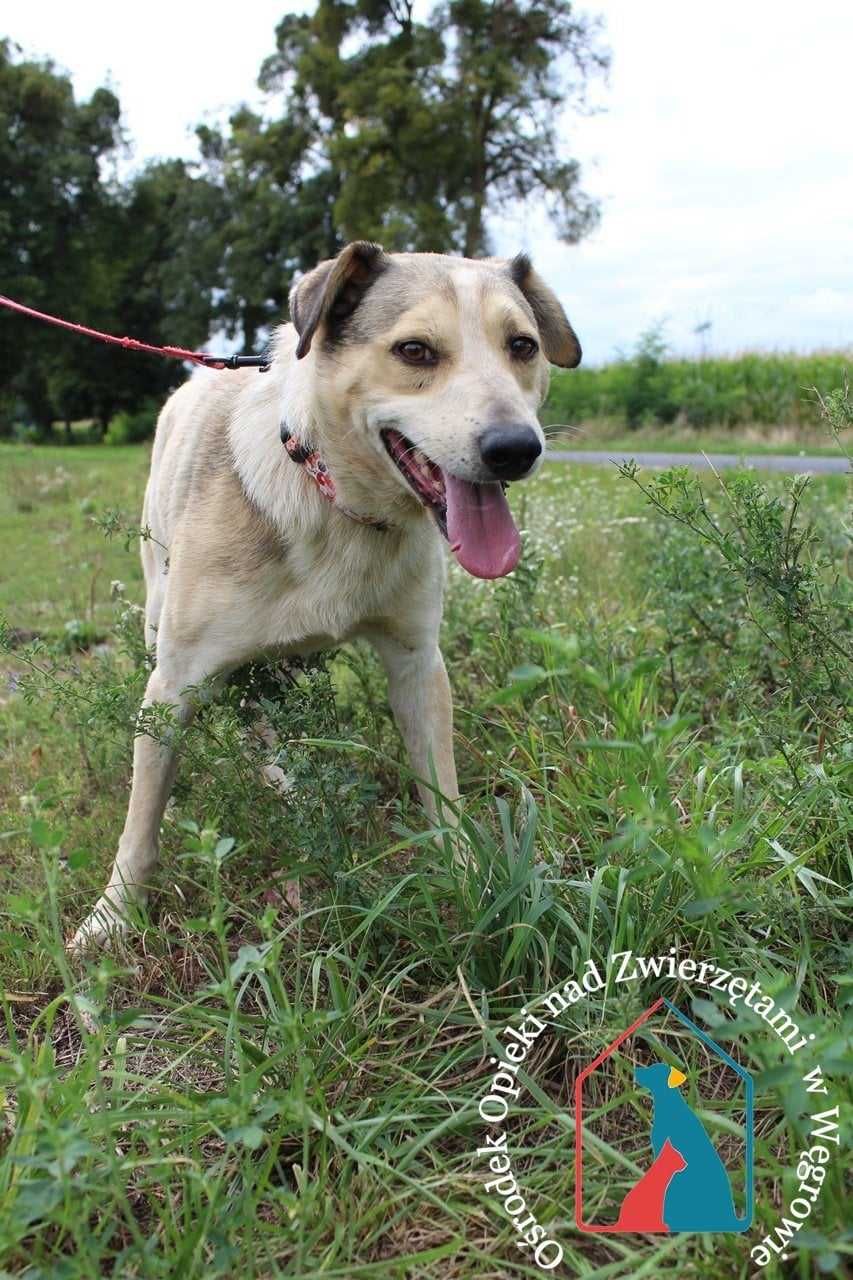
(261,363)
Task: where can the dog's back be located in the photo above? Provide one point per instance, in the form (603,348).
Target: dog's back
(190,445)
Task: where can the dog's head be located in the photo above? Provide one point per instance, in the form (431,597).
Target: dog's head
(438,365)
(659,1076)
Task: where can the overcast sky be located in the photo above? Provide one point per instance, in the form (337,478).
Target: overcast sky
(722,157)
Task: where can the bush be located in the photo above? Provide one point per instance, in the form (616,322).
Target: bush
(131,428)
(748,586)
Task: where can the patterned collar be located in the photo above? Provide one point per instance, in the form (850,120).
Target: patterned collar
(310,459)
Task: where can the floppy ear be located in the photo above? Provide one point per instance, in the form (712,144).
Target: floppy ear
(333,290)
(558,337)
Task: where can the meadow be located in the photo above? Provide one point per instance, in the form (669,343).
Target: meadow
(654,752)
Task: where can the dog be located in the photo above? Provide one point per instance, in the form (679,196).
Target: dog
(699,1197)
(291,510)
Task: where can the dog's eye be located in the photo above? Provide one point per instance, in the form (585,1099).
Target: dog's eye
(523,348)
(414,352)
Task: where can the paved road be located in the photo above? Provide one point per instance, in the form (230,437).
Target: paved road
(761,461)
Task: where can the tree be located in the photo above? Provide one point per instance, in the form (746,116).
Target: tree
(461,116)
(379,127)
(137,257)
(151,272)
(406,132)
(515,66)
(51,150)
(269,224)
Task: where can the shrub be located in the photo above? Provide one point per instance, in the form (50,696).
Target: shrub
(132,427)
(746,586)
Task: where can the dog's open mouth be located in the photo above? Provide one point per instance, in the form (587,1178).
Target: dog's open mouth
(475,518)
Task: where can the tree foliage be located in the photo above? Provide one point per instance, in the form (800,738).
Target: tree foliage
(133,257)
(51,197)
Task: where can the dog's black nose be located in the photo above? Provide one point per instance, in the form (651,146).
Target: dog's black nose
(509,451)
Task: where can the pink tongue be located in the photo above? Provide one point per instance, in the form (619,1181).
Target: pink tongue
(480,528)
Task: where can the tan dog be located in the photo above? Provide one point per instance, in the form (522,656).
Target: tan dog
(407,388)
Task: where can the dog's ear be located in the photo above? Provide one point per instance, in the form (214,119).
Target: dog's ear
(558,337)
(333,290)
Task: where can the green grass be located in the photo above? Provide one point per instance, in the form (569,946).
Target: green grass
(243,1092)
(749,442)
(58,566)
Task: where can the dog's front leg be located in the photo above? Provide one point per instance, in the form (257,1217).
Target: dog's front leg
(419,694)
(154,765)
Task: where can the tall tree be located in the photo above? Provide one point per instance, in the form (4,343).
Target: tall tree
(51,150)
(460,116)
(403,131)
(377,126)
(516,68)
(152,272)
(270,222)
(137,257)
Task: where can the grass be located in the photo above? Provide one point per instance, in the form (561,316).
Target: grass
(242,1091)
(747,441)
(62,566)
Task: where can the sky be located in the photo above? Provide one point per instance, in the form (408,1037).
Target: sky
(720,150)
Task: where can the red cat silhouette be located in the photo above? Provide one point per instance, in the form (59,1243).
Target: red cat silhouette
(642,1208)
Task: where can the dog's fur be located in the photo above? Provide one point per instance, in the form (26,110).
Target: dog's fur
(247,558)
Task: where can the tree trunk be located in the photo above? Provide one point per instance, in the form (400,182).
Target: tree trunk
(251,321)
(474,230)
(475,235)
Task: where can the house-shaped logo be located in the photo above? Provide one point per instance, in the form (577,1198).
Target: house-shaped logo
(663,1131)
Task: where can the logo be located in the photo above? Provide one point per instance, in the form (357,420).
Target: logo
(635,1103)
(663,1116)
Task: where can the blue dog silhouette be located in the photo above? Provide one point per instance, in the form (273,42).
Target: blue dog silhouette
(699,1198)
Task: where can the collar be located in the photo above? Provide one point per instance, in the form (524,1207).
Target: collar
(302,453)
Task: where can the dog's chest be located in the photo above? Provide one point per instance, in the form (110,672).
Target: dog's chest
(331,590)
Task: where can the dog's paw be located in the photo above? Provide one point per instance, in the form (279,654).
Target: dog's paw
(106,924)
(276,778)
(293,895)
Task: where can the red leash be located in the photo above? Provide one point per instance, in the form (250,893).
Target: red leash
(133,344)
